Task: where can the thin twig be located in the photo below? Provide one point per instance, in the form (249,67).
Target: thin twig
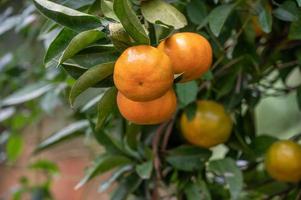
(288,64)
(155,146)
(167,134)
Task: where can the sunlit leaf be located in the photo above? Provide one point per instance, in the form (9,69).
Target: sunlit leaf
(159,11)
(57,47)
(218,17)
(130,21)
(68,17)
(233,176)
(90,78)
(79,42)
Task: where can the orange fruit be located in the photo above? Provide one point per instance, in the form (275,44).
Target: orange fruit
(210,126)
(283,161)
(148,112)
(143,73)
(190,54)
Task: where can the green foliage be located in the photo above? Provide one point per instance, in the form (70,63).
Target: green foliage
(86,37)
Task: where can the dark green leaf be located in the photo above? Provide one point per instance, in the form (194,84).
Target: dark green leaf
(105,106)
(79,42)
(159,11)
(14,147)
(107,9)
(227,168)
(188,158)
(261,144)
(131,135)
(265,19)
(90,78)
(197,190)
(145,169)
(102,165)
(187,92)
(69,131)
(89,60)
(27,93)
(196,11)
(68,17)
(111,144)
(130,21)
(74,70)
(190,110)
(127,186)
(298,2)
(57,47)
(218,17)
(295,30)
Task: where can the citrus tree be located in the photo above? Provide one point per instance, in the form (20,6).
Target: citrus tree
(171,80)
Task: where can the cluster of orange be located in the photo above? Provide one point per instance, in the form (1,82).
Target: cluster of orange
(144,75)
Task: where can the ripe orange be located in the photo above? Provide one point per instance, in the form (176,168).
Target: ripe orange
(210,126)
(283,161)
(190,54)
(148,112)
(143,73)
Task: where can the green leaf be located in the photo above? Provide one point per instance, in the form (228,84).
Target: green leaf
(126,186)
(145,169)
(102,165)
(130,21)
(89,79)
(27,93)
(74,70)
(45,165)
(68,17)
(196,11)
(218,17)
(261,144)
(72,130)
(158,11)
(114,177)
(89,60)
(106,106)
(287,11)
(188,158)
(197,190)
(190,110)
(295,30)
(119,37)
(107,10)
(233,176)
(265,19)
(57,47)
(299,97)
(131,135)
(298,2)
(14,147)
(79,42)
(187,92)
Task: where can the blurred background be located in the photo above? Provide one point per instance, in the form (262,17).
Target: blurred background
(33,105)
